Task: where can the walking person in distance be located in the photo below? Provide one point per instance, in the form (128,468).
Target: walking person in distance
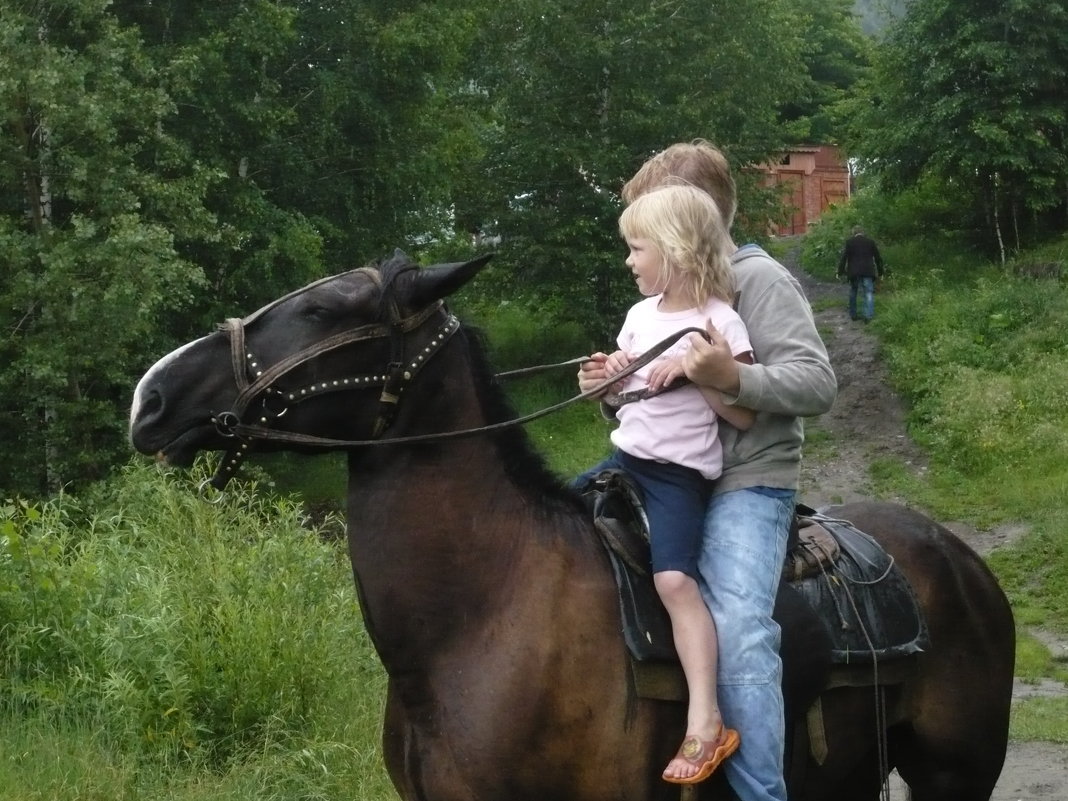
(861,263)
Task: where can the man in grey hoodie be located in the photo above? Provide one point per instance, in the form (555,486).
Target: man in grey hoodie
(753,501)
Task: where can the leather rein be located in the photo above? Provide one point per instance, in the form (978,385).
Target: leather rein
(256,381)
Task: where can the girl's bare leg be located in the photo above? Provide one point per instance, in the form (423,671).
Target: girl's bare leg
(695,642)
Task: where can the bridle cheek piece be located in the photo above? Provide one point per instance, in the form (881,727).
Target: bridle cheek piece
(255,381)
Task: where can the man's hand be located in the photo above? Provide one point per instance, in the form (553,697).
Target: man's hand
(711,364)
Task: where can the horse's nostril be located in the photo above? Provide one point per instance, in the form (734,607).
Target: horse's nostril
(147,412)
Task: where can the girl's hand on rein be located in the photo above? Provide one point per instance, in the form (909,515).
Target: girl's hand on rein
(594,372)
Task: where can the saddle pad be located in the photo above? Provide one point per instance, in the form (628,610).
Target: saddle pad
(867,603)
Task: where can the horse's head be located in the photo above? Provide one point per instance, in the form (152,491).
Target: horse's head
(331,358)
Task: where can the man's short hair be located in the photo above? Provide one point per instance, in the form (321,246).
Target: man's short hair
(698,163)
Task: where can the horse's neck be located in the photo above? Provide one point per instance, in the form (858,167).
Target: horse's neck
(451,499)
(440,541)
(464,487)
(439,530)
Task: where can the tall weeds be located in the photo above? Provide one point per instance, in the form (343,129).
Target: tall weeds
(180,634)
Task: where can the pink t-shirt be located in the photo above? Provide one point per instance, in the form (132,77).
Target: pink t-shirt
(677,426)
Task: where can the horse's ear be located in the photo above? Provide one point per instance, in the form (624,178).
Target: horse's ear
(441,280)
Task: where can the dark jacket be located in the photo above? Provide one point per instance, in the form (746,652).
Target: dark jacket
(860,257)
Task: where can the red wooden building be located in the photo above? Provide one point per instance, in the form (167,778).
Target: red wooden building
(812,178)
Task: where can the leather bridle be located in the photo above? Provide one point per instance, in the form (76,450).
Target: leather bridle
(255,380)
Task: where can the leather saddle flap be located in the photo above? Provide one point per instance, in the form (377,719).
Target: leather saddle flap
(867,604)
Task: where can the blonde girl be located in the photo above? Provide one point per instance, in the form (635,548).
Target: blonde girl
(679,256)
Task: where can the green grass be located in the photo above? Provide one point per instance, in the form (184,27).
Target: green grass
(1039,719)
(1034,660)
(984,365)
(823,304)
(572,439)
(982,358)
(893,477)
(44,759)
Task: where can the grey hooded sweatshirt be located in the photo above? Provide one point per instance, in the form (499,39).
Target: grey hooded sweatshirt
(791,378)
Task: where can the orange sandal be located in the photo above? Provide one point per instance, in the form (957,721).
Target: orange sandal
(705,755)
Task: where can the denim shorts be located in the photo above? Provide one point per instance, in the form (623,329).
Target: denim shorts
(676,502)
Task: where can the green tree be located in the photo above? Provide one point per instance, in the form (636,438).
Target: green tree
(171,164)
(581,93)
(87,235)
(973,94)
(166,164)
(836,56)
(332,123)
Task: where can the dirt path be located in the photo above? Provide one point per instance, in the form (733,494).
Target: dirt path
(866,424)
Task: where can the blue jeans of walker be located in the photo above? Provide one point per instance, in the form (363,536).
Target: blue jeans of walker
(740,564)
(866,285)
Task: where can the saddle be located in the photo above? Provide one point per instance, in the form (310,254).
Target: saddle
(855,588)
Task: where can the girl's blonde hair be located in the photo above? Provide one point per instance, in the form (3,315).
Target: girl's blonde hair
(686,227)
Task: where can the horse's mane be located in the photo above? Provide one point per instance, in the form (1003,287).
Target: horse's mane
(522,462)
(525,465)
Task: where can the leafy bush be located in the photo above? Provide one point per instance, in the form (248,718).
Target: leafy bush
(523,333)
(917,231)
(177,629)
(822,245)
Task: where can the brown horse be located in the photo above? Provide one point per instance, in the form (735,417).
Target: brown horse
(487,594)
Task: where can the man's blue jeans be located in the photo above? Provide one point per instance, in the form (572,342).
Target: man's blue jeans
(740,565)
(864,284)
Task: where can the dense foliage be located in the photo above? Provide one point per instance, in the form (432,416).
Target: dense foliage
(155,635)
(166,165)
(156,646)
